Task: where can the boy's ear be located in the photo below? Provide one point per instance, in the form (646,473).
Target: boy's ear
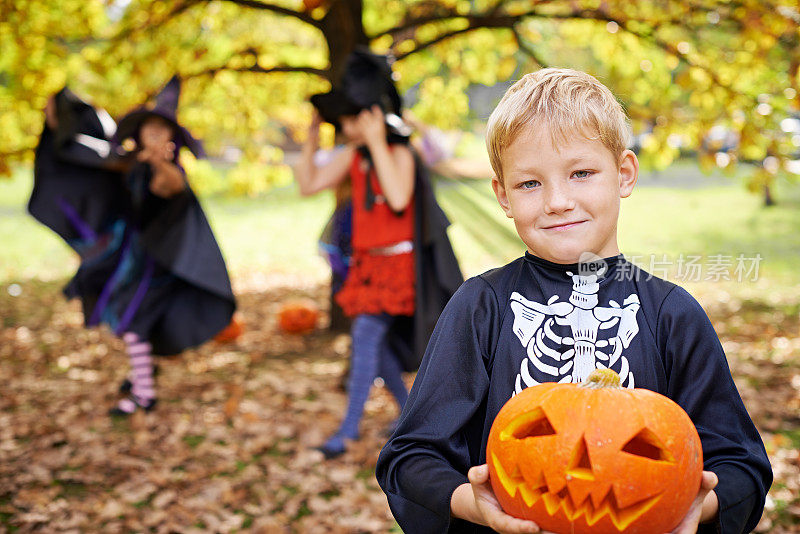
(502,197)
(628,173)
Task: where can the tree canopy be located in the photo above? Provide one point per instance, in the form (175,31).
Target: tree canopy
(680,67)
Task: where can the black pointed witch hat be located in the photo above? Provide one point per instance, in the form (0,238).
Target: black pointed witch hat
(78,121)
(367,81)
(75,116)
(165,107)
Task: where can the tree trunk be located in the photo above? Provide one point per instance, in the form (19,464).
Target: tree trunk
(343,29)
(768,199)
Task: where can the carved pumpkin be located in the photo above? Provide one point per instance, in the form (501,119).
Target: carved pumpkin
(232,331)
(595,458)
(298,316)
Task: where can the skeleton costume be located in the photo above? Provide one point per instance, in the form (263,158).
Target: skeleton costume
(534,321)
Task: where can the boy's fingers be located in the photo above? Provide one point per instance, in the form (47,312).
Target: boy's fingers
(478,474)
(709,481)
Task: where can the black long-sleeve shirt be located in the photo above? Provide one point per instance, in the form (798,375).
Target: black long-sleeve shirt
(521,324)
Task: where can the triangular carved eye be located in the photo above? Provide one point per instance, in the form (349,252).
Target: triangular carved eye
(532,424)
(647,445)
(580,466)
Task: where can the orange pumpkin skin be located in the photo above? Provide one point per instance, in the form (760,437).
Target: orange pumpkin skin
(298,317)
(594,460)
(311,5)
(232,331)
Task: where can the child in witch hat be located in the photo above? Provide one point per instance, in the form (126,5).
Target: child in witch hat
(402,270)
(150,266)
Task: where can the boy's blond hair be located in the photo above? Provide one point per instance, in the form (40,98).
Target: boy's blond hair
(564,101)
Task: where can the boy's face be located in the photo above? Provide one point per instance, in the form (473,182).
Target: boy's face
(155,133)
(564,200)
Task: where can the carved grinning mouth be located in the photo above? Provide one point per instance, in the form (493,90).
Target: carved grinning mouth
(531,493)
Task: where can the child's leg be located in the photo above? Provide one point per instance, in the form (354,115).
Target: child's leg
(391,371)
(368,334)
(143,394)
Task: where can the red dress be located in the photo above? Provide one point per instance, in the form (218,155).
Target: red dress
(381,275)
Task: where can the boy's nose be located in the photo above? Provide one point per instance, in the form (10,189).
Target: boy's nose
(557,199)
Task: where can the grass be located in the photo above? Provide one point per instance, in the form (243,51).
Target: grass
(715,220)
(278,233)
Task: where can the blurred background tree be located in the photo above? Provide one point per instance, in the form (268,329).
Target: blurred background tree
(711,78)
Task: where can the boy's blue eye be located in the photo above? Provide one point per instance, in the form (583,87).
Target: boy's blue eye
(581,174)
(530,184)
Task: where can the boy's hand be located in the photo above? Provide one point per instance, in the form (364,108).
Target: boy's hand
(704,507)
(486,510)
(372,124)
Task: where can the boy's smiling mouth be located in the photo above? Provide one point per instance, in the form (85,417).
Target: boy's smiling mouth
(563,226)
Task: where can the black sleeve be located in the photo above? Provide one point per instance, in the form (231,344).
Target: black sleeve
(700,381)
(439,432)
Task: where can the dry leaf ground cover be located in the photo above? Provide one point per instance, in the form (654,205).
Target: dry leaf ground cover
(230,446)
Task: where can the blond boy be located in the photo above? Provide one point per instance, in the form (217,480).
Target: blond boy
(557,142)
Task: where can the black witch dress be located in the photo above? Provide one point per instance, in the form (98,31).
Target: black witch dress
(149,265)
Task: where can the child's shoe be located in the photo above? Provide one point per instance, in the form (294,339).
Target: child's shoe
(130,404)
(334,447)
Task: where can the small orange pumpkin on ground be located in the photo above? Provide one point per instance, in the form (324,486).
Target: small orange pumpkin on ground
(595,458)
(311,5)
(298,316)
(232,331)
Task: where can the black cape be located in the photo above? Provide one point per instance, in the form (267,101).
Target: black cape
(437,273)
(79,196)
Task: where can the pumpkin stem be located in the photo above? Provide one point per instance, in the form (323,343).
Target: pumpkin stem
(602,378)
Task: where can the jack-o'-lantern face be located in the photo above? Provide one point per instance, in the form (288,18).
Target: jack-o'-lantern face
(577,459)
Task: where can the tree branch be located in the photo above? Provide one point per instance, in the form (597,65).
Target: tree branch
(509,21)
(527,49)
(418,21)
(322,73)
(256,4)
(449,14)
(431,42)
(473,23)
(149,26)
(672,49)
